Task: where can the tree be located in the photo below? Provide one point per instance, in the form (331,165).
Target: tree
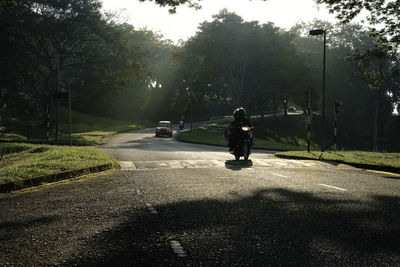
(95,56)
(381,12)
(173,4)
(346,81)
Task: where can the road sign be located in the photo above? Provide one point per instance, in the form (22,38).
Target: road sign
(302,97)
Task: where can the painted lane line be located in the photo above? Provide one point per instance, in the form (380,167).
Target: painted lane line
(127,165)
(151,208)
(178,249)
(262,162)
(280,175)
(174,164)
(218,163)
(334,187)
(298,162)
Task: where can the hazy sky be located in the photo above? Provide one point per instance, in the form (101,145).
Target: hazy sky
(183,24)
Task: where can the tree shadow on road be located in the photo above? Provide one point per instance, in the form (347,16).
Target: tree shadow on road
(271,227)
(153,143)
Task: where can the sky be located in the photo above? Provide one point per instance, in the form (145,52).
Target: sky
(184,24)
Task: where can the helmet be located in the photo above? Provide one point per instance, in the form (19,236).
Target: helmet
(239,113)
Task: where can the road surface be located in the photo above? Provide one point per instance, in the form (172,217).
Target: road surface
(180,204)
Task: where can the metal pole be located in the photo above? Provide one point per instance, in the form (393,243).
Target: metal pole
(58,88)
(47,123)
(309,120)
(323,98)
(70,117)
(335,132)
(191,111)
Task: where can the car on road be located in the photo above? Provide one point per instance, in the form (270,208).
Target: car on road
(164,128)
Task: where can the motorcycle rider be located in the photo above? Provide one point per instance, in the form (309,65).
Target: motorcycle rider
(240,120)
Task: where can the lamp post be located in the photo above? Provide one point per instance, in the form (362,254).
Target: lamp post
(188,90)
(322,32)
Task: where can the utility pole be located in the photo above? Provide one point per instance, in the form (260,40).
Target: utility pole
(336,112)
(58,89)
(70,118)
(314,33)
(323,97)
(308,119)
(47,123)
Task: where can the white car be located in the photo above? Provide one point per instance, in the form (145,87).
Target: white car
(164,128)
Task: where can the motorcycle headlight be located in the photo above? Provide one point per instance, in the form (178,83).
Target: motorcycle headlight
(246,129)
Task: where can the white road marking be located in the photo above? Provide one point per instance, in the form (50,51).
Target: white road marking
(218,163)
(280,175)
(334,187)
(178,249)
(261,162)
(174,164)
(127,165)
(211,163)
(151,208)
(304,164)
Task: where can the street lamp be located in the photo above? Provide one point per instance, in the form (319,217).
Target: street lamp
(188,90)
(191,107)
(322,32)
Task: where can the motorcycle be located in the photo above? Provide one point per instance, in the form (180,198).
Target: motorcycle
(243,142)
(181,125)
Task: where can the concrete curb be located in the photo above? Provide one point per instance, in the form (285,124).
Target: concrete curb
(357,165)
(12,186)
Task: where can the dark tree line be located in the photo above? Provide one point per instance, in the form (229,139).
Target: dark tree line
(50,46)
(117,71)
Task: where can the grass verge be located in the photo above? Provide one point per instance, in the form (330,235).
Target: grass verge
(352,157)
(24,161)
(213,134)
(86,129)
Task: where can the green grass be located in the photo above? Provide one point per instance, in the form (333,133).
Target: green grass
(90,130)
(357,157)
(213,134)
(22,161)
(86,129)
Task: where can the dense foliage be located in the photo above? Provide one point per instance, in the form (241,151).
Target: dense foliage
(117,71)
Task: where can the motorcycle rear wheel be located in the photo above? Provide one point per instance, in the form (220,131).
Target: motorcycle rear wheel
(246,151)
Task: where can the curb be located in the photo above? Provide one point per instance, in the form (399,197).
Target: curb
(12,186)
(357,165)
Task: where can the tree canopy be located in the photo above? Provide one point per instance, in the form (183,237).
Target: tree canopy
(115,70)
(384,14)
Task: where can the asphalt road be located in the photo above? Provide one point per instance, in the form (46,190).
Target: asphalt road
(179,204)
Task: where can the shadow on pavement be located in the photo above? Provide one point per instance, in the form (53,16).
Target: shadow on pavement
(237,165)
(152,143)
(11,230)
(274,227)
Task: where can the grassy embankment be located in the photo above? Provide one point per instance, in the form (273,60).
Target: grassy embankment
(86,129)
(20,159)
(24,161)
(288,136)
(353,157)
(279,135)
